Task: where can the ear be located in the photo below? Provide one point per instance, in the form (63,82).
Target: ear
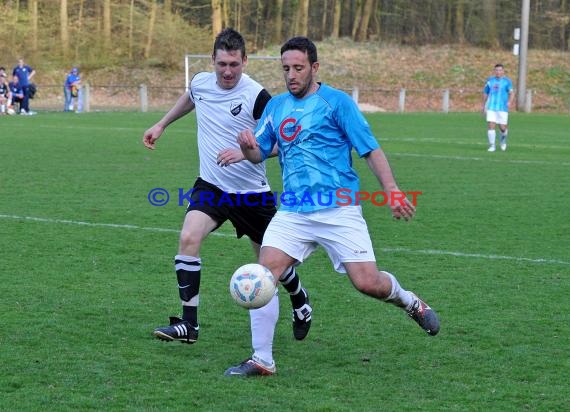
(315,67)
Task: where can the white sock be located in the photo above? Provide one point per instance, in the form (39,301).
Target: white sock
(263,323)
(2,108)
(491,134)
(398,296)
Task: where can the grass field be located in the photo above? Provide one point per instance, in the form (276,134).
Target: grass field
(87,273)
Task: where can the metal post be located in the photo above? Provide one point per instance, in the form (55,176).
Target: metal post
(402,101)
(86,98)
(445,106)
(144,98)
(355,94)
(521,90)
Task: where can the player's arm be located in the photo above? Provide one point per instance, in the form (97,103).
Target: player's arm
(399,204)
(249,146)
(511,98)
(181,108)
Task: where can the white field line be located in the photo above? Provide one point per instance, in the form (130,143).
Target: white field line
(480,159)
(387,250)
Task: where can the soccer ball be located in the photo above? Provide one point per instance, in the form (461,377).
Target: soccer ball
(11,111)
(252,286)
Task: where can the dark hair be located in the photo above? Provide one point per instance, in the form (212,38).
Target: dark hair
(302,44)
(499,65)
(229,40)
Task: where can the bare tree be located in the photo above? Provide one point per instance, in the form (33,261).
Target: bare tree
(107,24)
(150,32)
(336,19)
(302,21)
(362,29)
(33,8)
(64,28)
(216,17)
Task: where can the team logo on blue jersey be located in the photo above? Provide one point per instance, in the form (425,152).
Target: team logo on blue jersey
(288,130)
(235,108)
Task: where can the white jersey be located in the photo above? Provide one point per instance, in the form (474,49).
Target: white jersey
(221,114)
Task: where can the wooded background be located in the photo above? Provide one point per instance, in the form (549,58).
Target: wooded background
(158,32)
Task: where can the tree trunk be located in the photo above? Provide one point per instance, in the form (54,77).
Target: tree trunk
(216,17)
(79,33)
(336,19)
(303,18)
(490,16)
(278,19)
(362,29)
(107,24)
(33,7)
(131,28)
(150,31)
(459,22)
(63,24)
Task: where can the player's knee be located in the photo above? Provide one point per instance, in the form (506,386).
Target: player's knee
(189,241)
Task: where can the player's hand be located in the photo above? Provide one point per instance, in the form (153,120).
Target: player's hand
(151,136)
(228,156)
(246,139)
(401,207)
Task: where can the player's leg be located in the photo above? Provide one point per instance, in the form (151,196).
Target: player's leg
(504,116)
(491,125)
(188,265)
(284,245)
(67,98)
(344,231)
(263,322)
(202,217)
(383,285)
(252,220)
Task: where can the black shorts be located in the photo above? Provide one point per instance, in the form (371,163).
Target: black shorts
(249,213)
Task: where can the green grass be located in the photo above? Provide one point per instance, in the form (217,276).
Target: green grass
(86,274)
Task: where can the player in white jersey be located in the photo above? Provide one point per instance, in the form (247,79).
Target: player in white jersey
(226,101)
(316,127)
(498,97)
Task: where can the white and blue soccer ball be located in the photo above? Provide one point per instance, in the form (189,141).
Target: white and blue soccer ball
(252,286)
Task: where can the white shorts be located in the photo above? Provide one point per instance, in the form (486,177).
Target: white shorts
(497,117)
(341,231)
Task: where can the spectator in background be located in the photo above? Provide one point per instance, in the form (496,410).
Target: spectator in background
(25,74)
(4,92)
(72,90)
(17,94)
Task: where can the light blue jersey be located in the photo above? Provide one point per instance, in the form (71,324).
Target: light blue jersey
(497,91)
(315,136)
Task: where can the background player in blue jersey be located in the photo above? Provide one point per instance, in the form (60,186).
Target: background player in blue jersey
(498,97)
(226,101)
(316,127)
(25,74)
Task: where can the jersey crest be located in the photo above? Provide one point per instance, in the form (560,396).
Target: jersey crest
(235,108)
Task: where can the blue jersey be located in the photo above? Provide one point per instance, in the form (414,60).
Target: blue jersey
(315,136)
(70,79)
(497,91)
(15,89)
(23,73)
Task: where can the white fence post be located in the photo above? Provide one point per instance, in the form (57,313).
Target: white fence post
(144,98)
(402,102)
(355,94)
(528,101)
(86,96)
(445,106)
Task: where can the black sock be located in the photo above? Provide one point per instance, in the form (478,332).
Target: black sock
(188,273)
(292,283)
